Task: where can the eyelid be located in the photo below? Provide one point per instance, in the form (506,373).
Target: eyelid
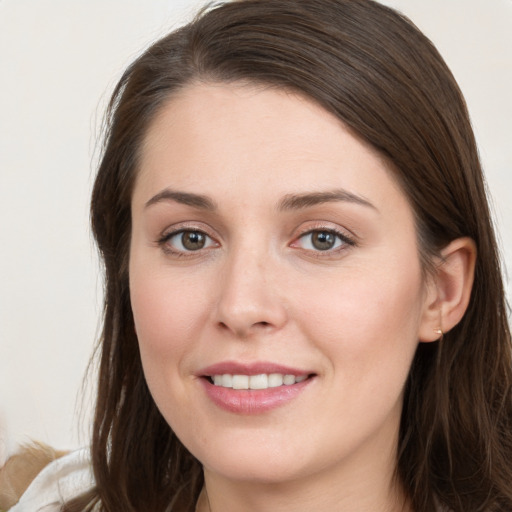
(348,240)
(175,230)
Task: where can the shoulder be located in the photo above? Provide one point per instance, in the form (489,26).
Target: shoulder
(61,480)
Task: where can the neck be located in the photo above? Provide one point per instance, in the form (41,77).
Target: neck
(263,498)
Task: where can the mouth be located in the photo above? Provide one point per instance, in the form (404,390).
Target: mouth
(254,388)
(256,382)
(255,375)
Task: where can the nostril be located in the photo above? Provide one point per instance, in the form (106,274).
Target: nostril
(245,329)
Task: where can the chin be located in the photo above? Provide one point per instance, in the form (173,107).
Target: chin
(257,471)
(270,459)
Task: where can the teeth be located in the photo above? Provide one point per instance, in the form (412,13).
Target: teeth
(227,380)
(240,381)
(288,380)
(258,381)
(261,381)
(275,380)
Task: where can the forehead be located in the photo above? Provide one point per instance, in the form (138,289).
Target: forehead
(250,138)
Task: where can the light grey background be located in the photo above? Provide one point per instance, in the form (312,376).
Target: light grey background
(59,60)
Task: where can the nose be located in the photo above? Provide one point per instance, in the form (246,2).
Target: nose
(250,301)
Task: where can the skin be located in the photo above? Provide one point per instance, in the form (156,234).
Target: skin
(259,290)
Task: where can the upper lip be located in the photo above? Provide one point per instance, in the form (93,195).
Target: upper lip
(254,368)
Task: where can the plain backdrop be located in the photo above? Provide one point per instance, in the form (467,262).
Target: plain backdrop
(59,60)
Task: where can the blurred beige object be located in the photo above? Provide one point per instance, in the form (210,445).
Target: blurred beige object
(21,468)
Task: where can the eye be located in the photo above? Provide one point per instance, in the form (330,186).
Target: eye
(323,240)
(187,240)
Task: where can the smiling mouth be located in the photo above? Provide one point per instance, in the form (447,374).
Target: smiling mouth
(260,381)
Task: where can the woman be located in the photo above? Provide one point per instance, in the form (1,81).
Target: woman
(304,308)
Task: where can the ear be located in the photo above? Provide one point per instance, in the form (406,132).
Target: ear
(449,289)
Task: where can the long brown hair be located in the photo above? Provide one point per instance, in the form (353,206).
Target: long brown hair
(374,70)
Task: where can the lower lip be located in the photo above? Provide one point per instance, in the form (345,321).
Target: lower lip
(253,401)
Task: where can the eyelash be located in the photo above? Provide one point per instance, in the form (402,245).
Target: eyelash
(167,237)
(343,242)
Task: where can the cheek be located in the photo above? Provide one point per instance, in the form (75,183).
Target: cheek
(168,313)
(367,320)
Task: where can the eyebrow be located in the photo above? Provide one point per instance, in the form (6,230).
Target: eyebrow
(186,198)
(299,201)
(289,202)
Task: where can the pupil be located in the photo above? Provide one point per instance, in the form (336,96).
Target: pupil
(192,240)
(323,240)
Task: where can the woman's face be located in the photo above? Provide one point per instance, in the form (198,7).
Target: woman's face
(271,244)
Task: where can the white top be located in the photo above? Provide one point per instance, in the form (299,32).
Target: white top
(61,480)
